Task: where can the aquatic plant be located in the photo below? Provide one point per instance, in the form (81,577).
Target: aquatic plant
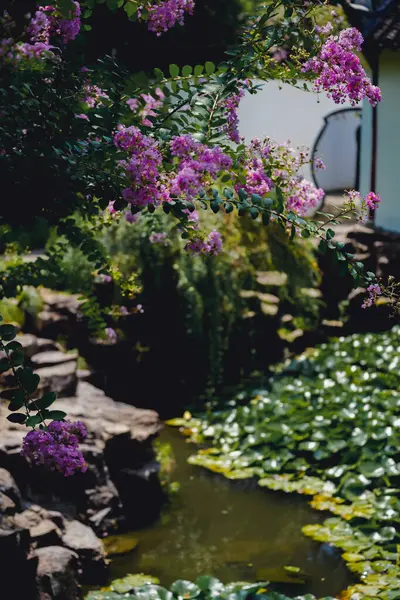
(327,427)
(204,588)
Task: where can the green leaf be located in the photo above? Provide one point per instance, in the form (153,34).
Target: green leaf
(17,358)
(33,420)
(17,418)
(55,415)
(174,70)
(185,589)
(13,346)
(371,469)
(7,332)
(187,70)
(28,379)
(46,400)
(214,205)
(330,234)
(210,67)
(4,365)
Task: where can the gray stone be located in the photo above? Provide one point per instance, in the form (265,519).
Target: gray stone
(61,379)
(81,539)
(52,358)
(57,573)
(29,344)
(7,506)
(67,304)
(45,345)
(46,533)
(9,488)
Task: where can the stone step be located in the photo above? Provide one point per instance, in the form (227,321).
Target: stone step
(53,357)
(271,279)
(61,379)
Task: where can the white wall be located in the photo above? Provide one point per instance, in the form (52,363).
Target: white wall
(286,114)
(388,158)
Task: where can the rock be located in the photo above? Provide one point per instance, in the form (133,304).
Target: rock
(66,304)
(9,488)
(17,570)
(7,506)
(60,378)
(52,358)
(45,345)
(271,279)
(57,573)
(52,324)
(84,374)
(119,436)
(106,418)
(29,344)
(45,533)
(81,539)
(45,527)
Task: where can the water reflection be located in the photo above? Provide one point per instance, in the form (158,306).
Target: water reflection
(233,531)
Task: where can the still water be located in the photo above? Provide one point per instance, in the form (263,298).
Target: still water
(233,531)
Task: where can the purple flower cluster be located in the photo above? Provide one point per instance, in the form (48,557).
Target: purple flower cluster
(167,13)
(56,447)
(372,200)
(111,335)
(142,167)
(151,104)
(232,104)
(319,164)
(69,28)
(212,245)
(93,95)
(42,26)
(304,196)
(159,238)
(197,164)
(340,72)
(356,201)
(374,291)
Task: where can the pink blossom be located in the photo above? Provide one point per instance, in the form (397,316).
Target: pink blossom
(372,200)
(339,71)
(164,15)
(374,291)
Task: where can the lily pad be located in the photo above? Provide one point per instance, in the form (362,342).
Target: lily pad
(185,589)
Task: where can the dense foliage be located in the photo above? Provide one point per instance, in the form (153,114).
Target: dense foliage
(326,427)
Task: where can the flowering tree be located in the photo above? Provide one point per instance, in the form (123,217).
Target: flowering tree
(105,144)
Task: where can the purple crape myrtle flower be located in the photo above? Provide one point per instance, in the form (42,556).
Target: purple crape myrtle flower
(374,291)
(197,164)
(340,72)
(232,104)
(57,447)
(165,14)
(211,246)
(111,334)
(68,29)
(304,196)
(319,164)
(159,238)
(372,200)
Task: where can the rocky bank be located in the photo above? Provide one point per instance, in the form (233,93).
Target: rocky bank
(50,525)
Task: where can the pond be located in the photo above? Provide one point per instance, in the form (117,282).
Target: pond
(233,531)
